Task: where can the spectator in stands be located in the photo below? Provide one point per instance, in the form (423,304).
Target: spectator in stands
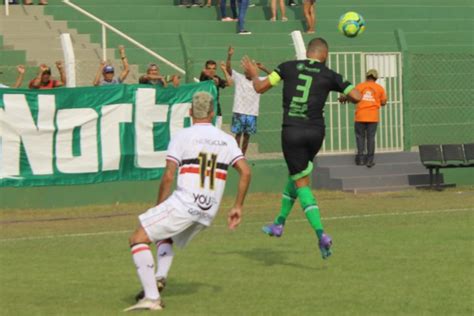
(233,8)
(44,80)
(154,77)
(310,15)
(243,6)
(246,103)
(274,10)
(19,79)
(108,71)
(367,117)
(209,73)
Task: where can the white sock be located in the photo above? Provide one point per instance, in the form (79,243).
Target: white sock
(164,259)
(143,259)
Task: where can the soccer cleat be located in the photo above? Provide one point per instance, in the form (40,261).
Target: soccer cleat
(325,246)
(146,304)
(161,283)
(244,32)
(273,230)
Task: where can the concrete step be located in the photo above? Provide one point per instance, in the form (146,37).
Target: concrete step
(92,55)
(384,181)
(393,171)
(377,170)
(382,158)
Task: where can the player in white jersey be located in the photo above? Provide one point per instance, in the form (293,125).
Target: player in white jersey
(201,155)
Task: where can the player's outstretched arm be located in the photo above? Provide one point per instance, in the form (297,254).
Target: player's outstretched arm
(249,66)
(354,96)
(166,181)
(235,214)
(228,77)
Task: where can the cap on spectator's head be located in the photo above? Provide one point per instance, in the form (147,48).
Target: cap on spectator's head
(372,73)
(47,71)
(203,105)
(153,65)
(108,69)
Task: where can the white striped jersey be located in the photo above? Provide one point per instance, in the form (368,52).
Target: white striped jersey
(203,154)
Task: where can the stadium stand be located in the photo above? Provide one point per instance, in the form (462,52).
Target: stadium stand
(439,39)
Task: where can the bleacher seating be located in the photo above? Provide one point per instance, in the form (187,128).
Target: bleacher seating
(436,157)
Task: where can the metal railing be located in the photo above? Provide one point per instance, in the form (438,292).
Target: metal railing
(340,117)
(106,26)
(7,8)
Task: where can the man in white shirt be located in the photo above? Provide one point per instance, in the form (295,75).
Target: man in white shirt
(246,103)
(201,155)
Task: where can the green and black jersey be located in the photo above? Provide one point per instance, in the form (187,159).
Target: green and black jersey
(306,86)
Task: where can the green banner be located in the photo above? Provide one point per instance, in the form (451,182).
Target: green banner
(91,134)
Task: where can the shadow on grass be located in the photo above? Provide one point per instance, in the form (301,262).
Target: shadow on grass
(174,288)
(270,257)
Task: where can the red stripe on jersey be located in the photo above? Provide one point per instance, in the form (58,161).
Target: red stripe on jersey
(189,170)
(137,250)
(219,175)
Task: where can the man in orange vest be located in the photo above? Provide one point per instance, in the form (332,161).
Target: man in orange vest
(367,117)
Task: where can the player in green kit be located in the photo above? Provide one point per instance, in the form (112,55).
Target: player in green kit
(306,86)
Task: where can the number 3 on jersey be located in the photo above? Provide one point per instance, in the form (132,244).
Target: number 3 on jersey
(299,105)
(205,163)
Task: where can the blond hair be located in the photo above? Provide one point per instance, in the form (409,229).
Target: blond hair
(203,105)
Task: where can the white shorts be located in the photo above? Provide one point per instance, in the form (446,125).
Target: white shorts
(165,221)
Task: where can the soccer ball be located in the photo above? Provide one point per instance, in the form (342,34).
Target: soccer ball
(351,24)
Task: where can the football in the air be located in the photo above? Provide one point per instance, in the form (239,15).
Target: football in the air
(351,24)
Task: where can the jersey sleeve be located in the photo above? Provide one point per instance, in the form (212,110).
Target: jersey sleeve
(175,152)
(340,85)
(277,75)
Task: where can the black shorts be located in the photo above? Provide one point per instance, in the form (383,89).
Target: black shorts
(300,146)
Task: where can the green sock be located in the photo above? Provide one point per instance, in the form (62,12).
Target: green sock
(311,209)
(287,201)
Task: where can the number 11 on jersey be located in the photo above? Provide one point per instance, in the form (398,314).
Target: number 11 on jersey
(204,164)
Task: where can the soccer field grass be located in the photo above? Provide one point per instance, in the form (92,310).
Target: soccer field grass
(409,252)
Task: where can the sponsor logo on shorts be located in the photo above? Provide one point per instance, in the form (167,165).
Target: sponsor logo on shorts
(204,202)
(199,213)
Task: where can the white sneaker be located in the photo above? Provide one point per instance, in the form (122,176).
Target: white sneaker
(146,303)
(244,32)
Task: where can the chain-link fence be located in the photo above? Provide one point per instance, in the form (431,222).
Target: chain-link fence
(440,88)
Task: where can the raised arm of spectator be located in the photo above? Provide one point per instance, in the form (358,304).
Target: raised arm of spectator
(98,75)
(126,70)
(228,78)
(35,84)
(21,75)
(176,80)
(62,74)
(260,86)
(230,53)
(263,68)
